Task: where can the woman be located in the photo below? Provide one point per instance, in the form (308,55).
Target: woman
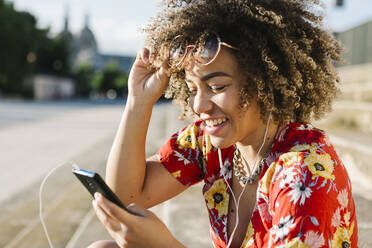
(254,73)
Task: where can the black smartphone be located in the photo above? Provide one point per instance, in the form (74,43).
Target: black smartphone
(93,182)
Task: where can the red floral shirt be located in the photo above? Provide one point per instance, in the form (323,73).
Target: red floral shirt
(303,197)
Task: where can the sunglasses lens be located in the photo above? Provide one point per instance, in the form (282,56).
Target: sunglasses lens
(177,52)
(209,51)
(203,55)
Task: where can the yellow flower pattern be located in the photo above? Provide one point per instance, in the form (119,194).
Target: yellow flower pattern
(249,238)
(342,237)
(217,197)
(187,138)
(296,243)
(176,174)
(207,145)
(300,148)
(289,158)
(267,178)
(320,165)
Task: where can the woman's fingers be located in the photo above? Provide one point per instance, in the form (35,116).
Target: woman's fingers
(106,219)
(115,211)
(145,55)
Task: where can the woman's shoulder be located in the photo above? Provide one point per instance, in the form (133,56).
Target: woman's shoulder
(297,134)
(301,148)
(306,150)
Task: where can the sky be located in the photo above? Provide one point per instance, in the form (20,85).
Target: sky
(116,23)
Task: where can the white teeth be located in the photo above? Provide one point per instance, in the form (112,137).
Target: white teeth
(215,122)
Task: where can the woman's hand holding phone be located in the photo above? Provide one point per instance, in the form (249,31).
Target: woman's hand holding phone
(128,230)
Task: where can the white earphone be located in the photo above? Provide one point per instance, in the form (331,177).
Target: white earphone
(241,193)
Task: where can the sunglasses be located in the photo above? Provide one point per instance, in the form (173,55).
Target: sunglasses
(203,55)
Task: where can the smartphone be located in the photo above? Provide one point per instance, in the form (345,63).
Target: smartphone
(93,182)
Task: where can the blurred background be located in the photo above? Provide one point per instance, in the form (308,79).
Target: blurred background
(63,82)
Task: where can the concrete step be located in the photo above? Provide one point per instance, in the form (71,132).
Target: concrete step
(356,82)
(185,215)
(356,73)
(359,92)
(65,203)
(349,115)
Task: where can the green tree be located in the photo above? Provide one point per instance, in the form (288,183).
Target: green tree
(18,30)
(26,49)
(84,80)
(111,78)
(53,56)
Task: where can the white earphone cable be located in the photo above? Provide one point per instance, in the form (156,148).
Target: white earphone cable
(41,200)
(241,193)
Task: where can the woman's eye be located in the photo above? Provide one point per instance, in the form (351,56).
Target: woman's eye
(218,88)
(192,91)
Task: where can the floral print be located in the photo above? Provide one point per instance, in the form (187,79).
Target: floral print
(249,236)
(303,197)
(187,138)
(320,165)
(299,192)
(314,239)
(217,197)
(281,230)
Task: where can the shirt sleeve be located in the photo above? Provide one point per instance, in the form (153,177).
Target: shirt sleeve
(182,155)
(310,200)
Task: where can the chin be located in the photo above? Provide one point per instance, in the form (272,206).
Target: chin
(220,142)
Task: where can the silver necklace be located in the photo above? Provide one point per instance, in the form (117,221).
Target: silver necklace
(239,168)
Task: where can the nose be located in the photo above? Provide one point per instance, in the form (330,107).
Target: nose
(201,103)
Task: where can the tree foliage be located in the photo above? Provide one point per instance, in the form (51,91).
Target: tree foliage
(26,49)
(111,78)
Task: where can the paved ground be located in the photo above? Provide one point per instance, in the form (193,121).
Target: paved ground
(35,137)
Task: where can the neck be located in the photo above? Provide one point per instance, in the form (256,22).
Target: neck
(250,147)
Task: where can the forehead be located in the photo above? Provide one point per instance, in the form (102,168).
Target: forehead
(225,63)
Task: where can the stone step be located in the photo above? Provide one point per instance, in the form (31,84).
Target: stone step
(359,92)
(349,115)
(185,215)
(65,202)
(356,73)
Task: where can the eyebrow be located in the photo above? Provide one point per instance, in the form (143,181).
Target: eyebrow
(211,75)
(214,74)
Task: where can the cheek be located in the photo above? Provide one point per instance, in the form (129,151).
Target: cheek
(229,104)
(190,102)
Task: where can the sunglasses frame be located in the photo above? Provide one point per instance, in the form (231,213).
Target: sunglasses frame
(192,47)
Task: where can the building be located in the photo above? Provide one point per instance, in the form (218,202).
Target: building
(351,23)
(85,49)
(358,43)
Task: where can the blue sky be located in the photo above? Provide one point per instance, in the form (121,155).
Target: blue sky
(116,23)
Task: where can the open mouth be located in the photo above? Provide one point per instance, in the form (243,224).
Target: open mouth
(215,122)
(213,127)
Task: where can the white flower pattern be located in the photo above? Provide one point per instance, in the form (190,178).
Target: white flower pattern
(314,239)
(299,192)
(181,158)
(282,229)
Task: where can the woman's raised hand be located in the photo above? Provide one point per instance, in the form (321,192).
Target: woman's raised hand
(144,85)
(129,230)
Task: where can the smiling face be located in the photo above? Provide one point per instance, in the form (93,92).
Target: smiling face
(215,99)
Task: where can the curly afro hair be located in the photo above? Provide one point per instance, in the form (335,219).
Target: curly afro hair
(285,55)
